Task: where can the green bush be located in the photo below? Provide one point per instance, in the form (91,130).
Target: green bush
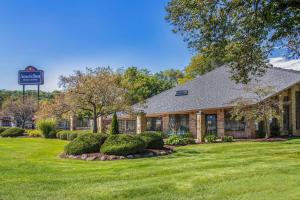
(114,126)
(2,129)
(184,139)
(70,135)
(34,133)
(211,138)
(85,143)
(123,145)
(13,132)
(153,140)
(47,128)
(227,138)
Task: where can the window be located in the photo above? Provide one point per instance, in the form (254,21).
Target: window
(127,126)
(232,124)
(154,124)
(298,110)
(286,113)
(179,123)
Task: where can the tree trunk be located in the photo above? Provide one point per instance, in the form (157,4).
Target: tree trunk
(95,124)
(267,128)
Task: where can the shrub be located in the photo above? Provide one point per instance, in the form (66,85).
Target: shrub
(85,143)
(153,140)
(114,126)
(47,128)
(123,145)
(180,139)
(227,138)
(13,132)
(211,138)
(2,129)
(34,133)
(70,135)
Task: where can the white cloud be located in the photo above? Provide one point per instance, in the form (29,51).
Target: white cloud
(285,63)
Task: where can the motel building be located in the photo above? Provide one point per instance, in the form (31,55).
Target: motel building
(203,106)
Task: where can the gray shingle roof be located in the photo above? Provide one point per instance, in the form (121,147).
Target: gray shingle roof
(214,90)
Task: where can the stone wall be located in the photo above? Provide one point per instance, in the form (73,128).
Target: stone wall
(193,124)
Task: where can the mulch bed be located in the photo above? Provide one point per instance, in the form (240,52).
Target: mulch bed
(103,157)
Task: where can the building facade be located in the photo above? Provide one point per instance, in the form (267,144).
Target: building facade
(202,106)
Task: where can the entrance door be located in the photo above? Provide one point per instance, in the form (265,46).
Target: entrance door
(211,124)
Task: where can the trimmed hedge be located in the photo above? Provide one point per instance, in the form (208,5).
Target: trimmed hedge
(13,132)
(211,138)
(153,140)
(70,135)
(180,139)
(227,138)
(86,143)
(2,129)
(123,145)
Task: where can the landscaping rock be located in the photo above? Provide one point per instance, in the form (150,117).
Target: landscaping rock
(122,157)
(84,156)
(91,158)
(130,156)
(137,156)
(103,158)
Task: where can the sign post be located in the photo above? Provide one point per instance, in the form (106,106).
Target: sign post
(31,76)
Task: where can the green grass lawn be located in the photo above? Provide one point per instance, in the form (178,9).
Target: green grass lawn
(31,169)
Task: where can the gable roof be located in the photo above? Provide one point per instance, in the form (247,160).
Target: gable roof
(214,89)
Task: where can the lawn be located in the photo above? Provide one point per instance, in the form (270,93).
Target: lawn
(31,169)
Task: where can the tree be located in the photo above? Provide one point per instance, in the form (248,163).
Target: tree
(170,77)
(141,84)
(21,111)
(56,108)
(114,126)
(96,91)
(199,65)
(242,32)
(260,107)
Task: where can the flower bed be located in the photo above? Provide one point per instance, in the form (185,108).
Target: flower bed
(103,157)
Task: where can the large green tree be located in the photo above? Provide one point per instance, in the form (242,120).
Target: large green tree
(243,33)
(141,84)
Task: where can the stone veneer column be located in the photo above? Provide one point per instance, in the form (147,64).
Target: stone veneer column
(293,108)
(100,124)
(220,123)
(165,121)
(193,124)
(200,129)
(250,129)
(141,123)
(72,123)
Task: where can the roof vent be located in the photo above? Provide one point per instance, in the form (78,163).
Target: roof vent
(181,92)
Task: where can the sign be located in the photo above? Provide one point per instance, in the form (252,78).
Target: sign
(31,76)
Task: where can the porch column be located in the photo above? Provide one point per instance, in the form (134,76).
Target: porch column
(165,121)
(250,129)
(72,123)
(200,130)
(294,89)
(220,123)
(193,124)
(100,124)
(141,123)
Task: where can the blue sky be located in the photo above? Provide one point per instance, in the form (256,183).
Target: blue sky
(59,36)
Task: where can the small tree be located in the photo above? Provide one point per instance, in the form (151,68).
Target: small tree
(114,126)
(21,111)
(260,106)
(96,91)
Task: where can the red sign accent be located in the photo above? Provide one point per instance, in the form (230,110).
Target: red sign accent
(30,69)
